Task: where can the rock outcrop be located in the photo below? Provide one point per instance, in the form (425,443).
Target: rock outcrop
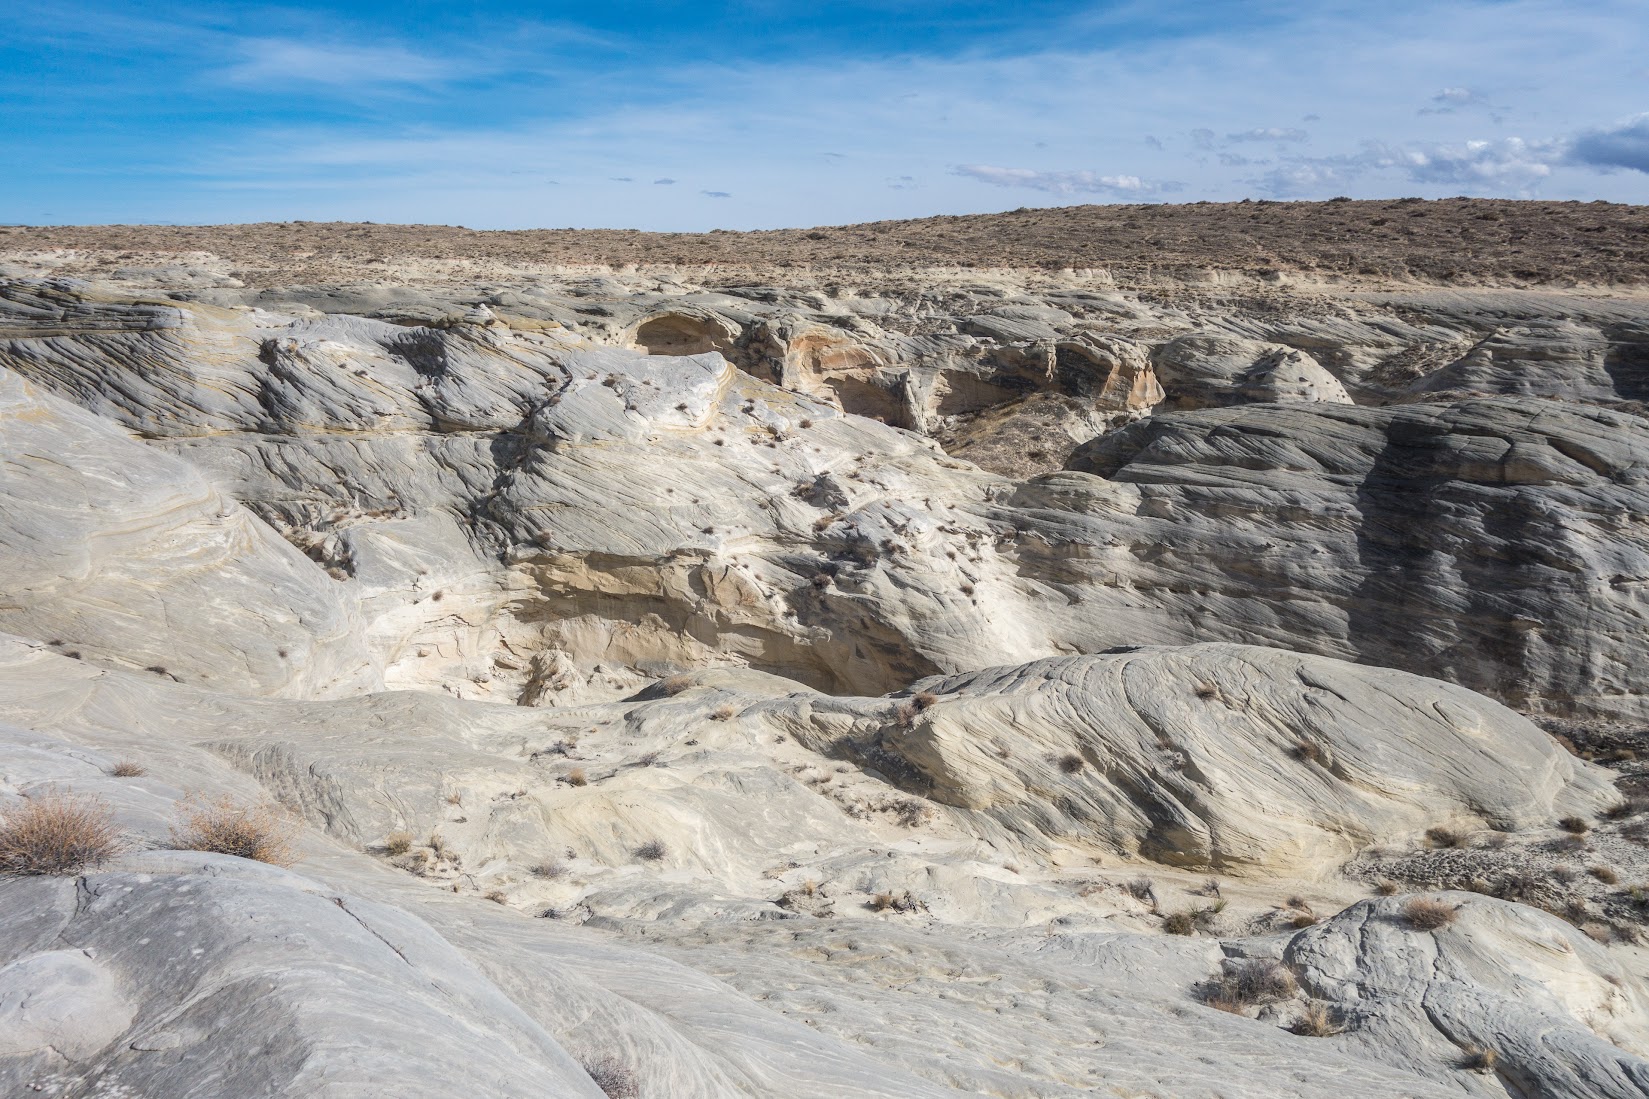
(660,700)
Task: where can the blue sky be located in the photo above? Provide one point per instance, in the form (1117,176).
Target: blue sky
(689,116)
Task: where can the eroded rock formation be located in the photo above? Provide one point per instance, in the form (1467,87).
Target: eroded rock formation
(654,679)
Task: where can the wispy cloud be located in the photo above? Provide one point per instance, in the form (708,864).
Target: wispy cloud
(1269,133)
(1068,182)
(279,62)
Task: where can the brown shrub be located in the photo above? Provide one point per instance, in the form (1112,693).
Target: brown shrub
(924,699)
(1606,875)
(1308,751)
(1575,825)
(1318,1020)
(1071,763)
(1479,1059)
(127,769)
(651,851)
(1180,923)
(1386,887)
(262,832)
(615,1079)
(724,712)
(676,684)
(1249,983)
(57,834)
(575,777)
(398,843)
(1444,837)
(1428,914)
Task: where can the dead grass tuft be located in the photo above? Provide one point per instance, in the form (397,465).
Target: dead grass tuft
(1428,914)
(724,712)
(652,851)
(1444,837)
(1318,1020)
(1249,983)
(1071,763)
(1479,1059)
(261,831)
(127,769)
(398,843)
(615,1079)
(1576,825)
(57,834)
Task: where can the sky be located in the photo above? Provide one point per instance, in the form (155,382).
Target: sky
(670,115)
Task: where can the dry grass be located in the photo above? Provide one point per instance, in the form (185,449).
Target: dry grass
(1308,751)
(127,769)
(1575,825)
(724,712)
(1180,923)
(1318,1020)
(575,777)
(615,1079)
(1071,763)
(57,834)
(1479,1059)
(1428,914)
(1249,983)
(1606,875)
(1386,887)
(1444,837)
(398,843)
(903,901)
(924,699)
(549,869)
(676,684)
(261,831)
(652,851)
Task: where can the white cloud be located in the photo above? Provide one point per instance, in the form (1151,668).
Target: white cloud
(1067,182)
(1503,166)
(1481,165)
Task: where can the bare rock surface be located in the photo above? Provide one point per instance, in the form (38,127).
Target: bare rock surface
(822,682)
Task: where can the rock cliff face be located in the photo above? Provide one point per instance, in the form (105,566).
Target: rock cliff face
(826,686)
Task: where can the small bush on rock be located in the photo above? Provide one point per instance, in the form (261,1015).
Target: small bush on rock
(57,834)
(1479,1059)
(615,1079)
(1249,983)
(261,832)
(398,843)
(1318,1020)
(127,769)
(1427,914)
(651,851)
